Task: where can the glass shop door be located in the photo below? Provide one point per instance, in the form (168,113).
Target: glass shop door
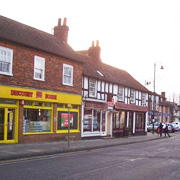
(7,125)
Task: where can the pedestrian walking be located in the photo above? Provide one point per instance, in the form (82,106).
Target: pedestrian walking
(160,129)
(166,131)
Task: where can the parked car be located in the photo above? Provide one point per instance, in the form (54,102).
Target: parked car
(150,127)
(173,127)
(156,125)
(177,125)
(170,127)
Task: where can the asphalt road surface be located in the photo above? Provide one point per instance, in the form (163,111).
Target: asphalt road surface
(158,160)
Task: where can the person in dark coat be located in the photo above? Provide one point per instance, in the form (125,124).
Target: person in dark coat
(166,131)
(160,129)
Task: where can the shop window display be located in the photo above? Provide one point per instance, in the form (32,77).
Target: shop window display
(119,120)
(63,120)
(37,120)
(96,120)
(92,119)
(140,119)
(87,122)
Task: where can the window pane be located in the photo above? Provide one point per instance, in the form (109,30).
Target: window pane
(60,105)
(28,103)
(67,71)
(4,67)
(92,88)
(47,104)
(36,120)
(38,73)
(63,118)
(38,104)
(132,96)
(143,98)
(39,65)
(120,94)
(87,122)
(67,80)
(67,74)
(74,107)
(5,60)
(7,101)
(96,120)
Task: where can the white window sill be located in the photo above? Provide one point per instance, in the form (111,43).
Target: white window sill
(39,79)
(7,74)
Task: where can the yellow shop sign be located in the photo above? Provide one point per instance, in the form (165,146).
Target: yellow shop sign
(38,95)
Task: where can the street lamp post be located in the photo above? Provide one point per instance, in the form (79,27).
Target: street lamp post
(154,101)
(69,106)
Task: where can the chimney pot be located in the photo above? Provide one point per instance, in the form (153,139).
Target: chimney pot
(95,51)
(65,20)
(61,32)
(59,22)
(97,43)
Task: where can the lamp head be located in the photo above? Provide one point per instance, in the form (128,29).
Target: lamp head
(148,83)
(162,67)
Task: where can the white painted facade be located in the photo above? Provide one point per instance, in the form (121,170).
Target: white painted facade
(95,104)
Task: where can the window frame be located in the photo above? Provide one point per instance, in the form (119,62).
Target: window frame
(132,96)
(11,60)
(31,105)
(120,94)
(71,76)
(64,109)
(95,88)
(143,98)
(43,68)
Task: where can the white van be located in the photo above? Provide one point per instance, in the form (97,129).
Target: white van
(176,125)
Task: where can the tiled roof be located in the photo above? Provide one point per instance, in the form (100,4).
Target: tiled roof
(16,32)
(110,73)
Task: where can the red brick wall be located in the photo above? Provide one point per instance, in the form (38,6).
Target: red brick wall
(23,71)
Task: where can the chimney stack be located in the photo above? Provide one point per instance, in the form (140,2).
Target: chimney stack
(163,94)
(94,51)
(61,31)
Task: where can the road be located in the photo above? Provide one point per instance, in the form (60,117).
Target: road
(158,160)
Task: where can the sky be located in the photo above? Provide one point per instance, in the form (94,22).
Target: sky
(133,34)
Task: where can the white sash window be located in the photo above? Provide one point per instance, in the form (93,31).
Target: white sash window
(39,68)
(132,98)
(6,60)
(120,94)
(92,88)
(67,75)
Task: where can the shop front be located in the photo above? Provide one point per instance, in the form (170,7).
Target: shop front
(8,120)
(30,115)
(94,119)
(130,117)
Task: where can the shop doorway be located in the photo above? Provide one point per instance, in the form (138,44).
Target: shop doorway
(130,122)
(7,125)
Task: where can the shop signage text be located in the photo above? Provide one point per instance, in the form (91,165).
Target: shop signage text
(50,96)
(21,93)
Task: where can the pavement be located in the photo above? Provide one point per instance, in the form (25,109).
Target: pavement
(28,150)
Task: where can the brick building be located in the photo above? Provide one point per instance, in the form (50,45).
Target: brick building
(40,80)
(112,99)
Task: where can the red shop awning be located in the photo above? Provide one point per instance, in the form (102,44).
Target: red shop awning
(130,107)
